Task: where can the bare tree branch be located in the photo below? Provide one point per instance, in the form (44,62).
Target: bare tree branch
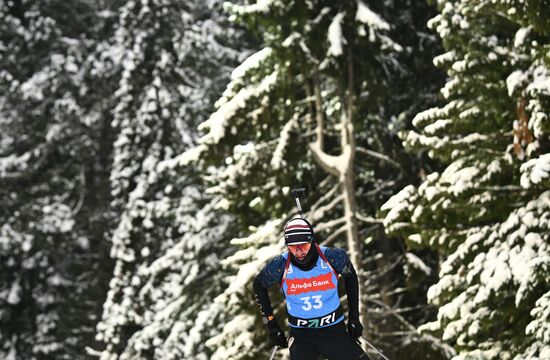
(330,224)
(334,235)
(379,156)
(368,219)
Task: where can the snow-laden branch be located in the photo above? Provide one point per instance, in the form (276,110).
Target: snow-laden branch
(277,160)
(218,121)
(320,212)
(329,224)
(324,198)
(535,171)
(15,167)
(335,235)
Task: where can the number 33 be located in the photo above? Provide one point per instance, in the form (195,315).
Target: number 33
(307,304)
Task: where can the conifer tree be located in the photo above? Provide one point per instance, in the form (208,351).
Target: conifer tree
(173,57)
(487,213)
(290,116)
(52,173)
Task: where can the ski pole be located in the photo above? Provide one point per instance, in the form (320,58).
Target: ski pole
(273,353)
(374,348)
(297,194)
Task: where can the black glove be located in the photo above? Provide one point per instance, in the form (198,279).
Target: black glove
(276,334)
(355,329)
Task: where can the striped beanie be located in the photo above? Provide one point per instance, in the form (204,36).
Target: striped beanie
(298,231)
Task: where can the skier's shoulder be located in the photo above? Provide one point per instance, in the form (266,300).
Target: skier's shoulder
(272,272)
(337,257)
(278,262)
(334,253)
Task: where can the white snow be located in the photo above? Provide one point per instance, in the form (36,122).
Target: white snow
(256,201)
(521,35)
(397,204)
(459,178)
(57,217)
(13,163)
(253,62)
(218,122)
(291,39)
(541,81)
(277,160)
(416,238)
(451,84)
(417,263)
(535,171)
(335,37)
(370,18)
(515,80)
(445,58)
(261,6)
(338,164)
(34,86)
(438,125)
(424,118)
(14,295)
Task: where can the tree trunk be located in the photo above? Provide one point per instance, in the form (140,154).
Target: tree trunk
(341,166)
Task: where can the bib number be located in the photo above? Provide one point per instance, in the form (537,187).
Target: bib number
(308,305)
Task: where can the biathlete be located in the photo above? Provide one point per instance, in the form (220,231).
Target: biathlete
(308,276)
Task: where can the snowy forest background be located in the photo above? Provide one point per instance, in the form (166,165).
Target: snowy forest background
(147,149)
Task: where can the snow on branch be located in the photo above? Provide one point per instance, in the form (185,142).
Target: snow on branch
(319,213)
(369,17)
(218,122)
(277,160)
(336,165)
(250,260)
(427,117)
(239,330)
(253,62)
(325,197)
(397,204)
(535,171)
(335,37)
(329,224)
(261,6)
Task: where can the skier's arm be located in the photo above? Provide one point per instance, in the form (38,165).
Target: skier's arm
(341,263)
(351,284)
(270,275)
(262,297)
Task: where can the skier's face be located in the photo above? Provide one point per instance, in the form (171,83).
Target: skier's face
(299,251)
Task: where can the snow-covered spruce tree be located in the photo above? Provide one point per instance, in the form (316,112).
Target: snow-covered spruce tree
(488,211)
(172,57)
(52,180)
(288,117)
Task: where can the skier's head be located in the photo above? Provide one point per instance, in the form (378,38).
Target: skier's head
(298,231)
(298,238)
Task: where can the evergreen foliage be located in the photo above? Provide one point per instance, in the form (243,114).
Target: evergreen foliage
(487,212)
(172,59)
(127,126)
(318,59)
(53,168)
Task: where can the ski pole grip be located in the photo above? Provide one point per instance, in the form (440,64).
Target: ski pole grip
(299,206)
(297,194)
